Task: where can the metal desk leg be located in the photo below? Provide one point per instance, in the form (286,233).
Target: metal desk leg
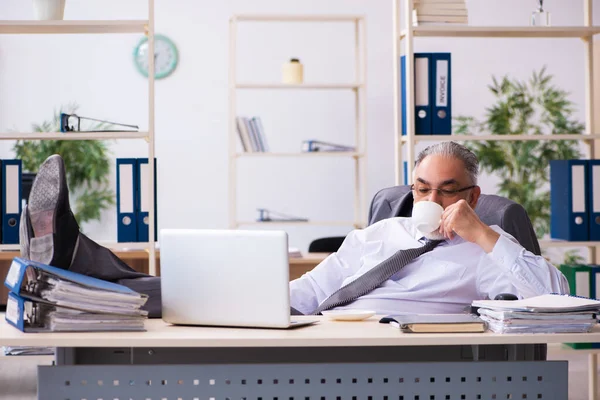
(592,375)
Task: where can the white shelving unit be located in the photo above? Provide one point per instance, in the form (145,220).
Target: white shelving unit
(100,27)
(406,36)
(358,87)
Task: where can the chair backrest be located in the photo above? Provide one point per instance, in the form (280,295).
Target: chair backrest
(397,201)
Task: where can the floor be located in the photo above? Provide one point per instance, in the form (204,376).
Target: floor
(18,375)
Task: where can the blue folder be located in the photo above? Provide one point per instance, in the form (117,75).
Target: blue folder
(441,94)
(11,201)
(126,200)
(142,202)
(569,210)
(422,85)
(594,199)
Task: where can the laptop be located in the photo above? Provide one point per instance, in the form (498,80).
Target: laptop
(226,278)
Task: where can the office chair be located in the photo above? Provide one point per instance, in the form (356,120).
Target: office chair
(326,245)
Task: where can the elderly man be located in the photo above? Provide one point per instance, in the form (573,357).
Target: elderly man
(473,261)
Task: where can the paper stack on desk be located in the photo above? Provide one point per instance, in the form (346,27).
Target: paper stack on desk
(550,313)
(46,298)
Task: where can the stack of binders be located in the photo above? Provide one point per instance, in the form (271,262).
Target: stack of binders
(440,11)
(133,202)
(575,200)
(45,298)
(433,93)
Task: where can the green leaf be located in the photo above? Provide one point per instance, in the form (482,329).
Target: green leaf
(87,165)
(532,107)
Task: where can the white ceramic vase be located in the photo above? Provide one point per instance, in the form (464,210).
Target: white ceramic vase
(49,9)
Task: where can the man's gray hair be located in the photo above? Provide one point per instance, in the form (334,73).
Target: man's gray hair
(455,150)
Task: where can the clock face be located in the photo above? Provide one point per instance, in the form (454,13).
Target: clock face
(165,56)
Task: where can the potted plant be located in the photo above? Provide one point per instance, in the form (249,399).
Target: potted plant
(533,107)
(87,164)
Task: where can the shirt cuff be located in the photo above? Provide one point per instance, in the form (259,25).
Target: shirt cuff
(506,252)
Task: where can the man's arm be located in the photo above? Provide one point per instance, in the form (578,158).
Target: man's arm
(509,268)
(308,291)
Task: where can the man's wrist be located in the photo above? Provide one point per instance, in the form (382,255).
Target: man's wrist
(487,239)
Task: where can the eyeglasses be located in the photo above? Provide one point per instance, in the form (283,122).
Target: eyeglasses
(422,191)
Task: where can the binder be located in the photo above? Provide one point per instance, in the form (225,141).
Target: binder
(579,278)
(405,171)
(126,198)
(441,94)
(309,146)
(423,103)
(11,201)
(569,216)
(594,199)
(143,200)
(40,292)
(594,281)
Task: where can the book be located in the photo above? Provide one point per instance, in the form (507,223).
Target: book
(437,323)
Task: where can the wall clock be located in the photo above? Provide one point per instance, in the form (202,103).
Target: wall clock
(165,56)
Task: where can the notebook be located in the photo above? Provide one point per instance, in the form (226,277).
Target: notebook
(436,323)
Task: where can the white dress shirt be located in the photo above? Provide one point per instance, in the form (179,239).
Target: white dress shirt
(444,280)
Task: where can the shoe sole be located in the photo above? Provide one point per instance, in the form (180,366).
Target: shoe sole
(44,196)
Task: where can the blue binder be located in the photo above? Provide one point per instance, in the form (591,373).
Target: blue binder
(594,199)
(142,200)
(595,282)
(569,215)
(11,201)
(126,200)
(423,101)
(441,94)
(405,171)
(23,292)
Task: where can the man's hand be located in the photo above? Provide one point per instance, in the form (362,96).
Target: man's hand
(460,219)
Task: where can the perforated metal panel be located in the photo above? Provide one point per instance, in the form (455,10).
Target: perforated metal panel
(372,381)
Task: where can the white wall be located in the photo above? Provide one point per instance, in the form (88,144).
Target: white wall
(39,73)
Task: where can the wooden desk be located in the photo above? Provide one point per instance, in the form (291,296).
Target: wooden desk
(231,375)
(138,260)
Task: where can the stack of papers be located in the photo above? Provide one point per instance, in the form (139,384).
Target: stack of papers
(550,313)
(45,298)
(27,351)
(440,11)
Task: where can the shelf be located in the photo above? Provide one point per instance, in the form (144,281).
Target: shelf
(321,223)
(296,18)
(37,27)
(503,32)
(72,135)
(566,243)
(511,138)
(307,154)
(306,86)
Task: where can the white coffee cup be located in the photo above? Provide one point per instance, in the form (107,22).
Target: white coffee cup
(427,216)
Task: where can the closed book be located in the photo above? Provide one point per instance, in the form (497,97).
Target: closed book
(437,323)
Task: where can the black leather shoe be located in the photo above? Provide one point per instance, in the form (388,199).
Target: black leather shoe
(49,221)
(50,234)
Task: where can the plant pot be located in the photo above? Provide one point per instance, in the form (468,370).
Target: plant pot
(49,9)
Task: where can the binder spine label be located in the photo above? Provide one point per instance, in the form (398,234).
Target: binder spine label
(441,95)
(578,188)
(13,276)
(12,311)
